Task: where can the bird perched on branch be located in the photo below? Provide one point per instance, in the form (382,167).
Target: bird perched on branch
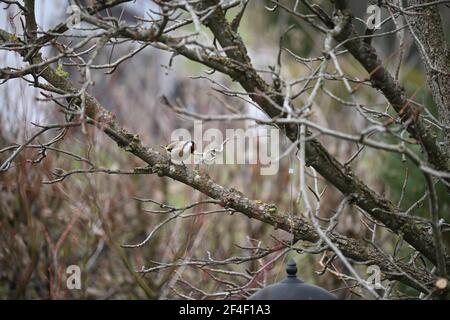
(179,150)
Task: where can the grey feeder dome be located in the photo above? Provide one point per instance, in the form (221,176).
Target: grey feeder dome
(292,288)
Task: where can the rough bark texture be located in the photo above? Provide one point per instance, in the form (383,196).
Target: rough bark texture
(382,80)
(229,197)
(414,231)
(234,199)
(435,53)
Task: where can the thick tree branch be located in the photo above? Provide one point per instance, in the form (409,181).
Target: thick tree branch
(394,93)
(415,232)
(231,198)
(238,66)
(429,36)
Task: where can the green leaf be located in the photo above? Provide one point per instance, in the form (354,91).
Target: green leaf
(13,38)
(61,72)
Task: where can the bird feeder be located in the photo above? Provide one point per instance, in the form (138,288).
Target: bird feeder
(292,288)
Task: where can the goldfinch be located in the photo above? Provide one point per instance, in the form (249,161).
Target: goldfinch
(179,150)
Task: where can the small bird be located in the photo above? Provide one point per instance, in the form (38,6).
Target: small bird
(179,150)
